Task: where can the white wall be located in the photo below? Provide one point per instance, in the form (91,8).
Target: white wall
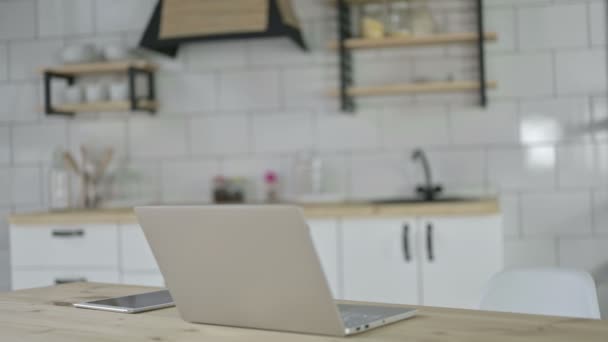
(243,107)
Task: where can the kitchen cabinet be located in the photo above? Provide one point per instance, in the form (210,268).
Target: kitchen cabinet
(436,261)
(459,256)
(379,260)
(429,260)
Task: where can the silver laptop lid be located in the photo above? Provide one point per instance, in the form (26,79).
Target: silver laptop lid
(246,266)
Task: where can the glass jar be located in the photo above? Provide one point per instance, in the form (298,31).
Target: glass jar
(421,18)
(374,21)
(399,19)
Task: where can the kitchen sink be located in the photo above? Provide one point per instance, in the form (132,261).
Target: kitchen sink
(412,200)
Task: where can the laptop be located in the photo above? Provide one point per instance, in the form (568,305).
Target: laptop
(252,267)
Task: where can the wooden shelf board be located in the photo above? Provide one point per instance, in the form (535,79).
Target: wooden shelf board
(415,88)
(107,106)
(100,67)
(443,38)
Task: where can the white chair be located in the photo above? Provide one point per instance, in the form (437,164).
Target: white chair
(543,291)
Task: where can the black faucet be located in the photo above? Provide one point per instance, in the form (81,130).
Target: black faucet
(428,191)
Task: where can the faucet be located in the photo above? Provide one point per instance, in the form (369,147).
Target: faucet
(428,191)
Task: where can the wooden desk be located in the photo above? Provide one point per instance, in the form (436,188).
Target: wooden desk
(45,314)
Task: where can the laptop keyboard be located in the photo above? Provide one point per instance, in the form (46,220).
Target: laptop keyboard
(353,318)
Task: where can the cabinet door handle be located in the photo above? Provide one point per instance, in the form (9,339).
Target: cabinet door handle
(59,281)
(406,242)
(65,233)
(429,242)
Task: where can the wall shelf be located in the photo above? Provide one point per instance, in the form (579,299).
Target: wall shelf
(414,88)
(131,68)
(444,38)
(101,67)
(347,42)
(106,106)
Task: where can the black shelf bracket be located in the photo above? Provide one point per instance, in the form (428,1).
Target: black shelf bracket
(132,73)
(483,91)
(48,80)
(347,102)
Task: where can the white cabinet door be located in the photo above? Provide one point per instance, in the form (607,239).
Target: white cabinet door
(25,279)
(135,250)
(459,255)
(324,234)
(64,246)
(379,260)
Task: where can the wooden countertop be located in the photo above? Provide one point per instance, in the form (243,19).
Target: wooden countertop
(312,211)
(45,314)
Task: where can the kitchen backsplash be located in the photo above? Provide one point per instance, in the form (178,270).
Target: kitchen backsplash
(240,108)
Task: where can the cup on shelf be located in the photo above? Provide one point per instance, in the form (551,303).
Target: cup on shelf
(96,92)
(119,91)
(116,52)
(79,53)
(73,94)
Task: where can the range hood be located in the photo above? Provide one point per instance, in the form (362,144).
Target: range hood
(175,22)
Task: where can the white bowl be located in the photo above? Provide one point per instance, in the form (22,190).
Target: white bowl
(73,94)
(116,52)
(96,92)
(119,91)
(82,53)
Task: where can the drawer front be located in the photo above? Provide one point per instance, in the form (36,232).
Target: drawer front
(25,279)
(143,278)
(135,251)
(64,246)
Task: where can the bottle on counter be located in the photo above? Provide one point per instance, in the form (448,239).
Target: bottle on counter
(59,183)
(271,179)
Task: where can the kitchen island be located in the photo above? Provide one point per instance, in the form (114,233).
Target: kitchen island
(45,314)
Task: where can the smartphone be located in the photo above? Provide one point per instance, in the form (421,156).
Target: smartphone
(131,304)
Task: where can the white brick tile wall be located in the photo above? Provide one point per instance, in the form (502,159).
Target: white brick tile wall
(188,181)
(583,253)
(305,87)
(283,132)
(581,72)
(64,17)
(28,57)
(495,125)
(187,92)
(457,169)
(556,213)
(216,55)
(597,13)
(600,211)
(502,21)
(3,62)
(376,175)
(220,135)
(555,120)
(154,138)
(119,15)
(26,185)
(99,133)
(577,166)
(423,126)
(530,253)
(356,132)
(36,142)
(543,27)
(250,89)
(5,185)
(511,218)
(17,19)
(19,102)
(522,168)
(5,145)
(514,72)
